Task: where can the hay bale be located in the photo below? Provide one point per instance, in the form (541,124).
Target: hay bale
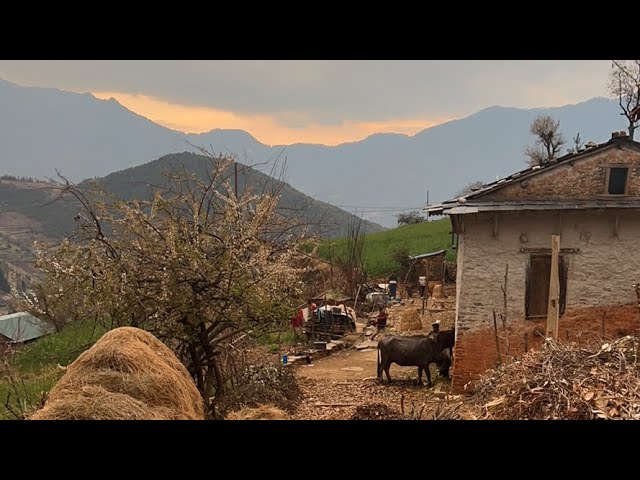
(409,320)
(438,291)
(263,412)
(128,374)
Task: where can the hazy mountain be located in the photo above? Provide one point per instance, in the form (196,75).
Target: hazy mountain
(42,129)
(322,218)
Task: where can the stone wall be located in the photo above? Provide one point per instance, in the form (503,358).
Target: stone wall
(585,179)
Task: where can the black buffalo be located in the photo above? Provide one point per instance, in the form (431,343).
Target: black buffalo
(446,340)
(418,351)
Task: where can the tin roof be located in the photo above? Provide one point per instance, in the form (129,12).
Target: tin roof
(22,326)
(427,255)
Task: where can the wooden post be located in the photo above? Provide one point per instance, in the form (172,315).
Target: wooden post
(495,334)
(553,309)
(526,342)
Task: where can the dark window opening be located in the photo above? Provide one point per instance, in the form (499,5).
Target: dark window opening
(537,285)
(454,240)
(617,180)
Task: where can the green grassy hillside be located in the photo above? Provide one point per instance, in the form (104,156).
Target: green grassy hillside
(380,247)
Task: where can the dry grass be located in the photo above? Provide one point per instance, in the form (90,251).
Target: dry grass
(377,411)
(263,412)
(127,374)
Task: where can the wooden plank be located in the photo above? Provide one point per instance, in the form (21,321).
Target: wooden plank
(495,226)
(547,251)
(616,226)
(553,310)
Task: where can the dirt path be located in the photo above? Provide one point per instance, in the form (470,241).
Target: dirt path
(334,386)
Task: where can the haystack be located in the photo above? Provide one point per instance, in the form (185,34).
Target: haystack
(438,291)
(409,320)
(263,412)
(127,375)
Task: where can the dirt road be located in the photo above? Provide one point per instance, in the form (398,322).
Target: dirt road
(335,385)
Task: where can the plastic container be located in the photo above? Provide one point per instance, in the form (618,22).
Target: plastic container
(285,359)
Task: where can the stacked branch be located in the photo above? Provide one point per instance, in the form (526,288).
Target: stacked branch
(564,381)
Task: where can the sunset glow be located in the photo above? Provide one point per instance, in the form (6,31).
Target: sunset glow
(197,119)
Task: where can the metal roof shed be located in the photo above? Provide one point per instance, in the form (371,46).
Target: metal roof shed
(22,326)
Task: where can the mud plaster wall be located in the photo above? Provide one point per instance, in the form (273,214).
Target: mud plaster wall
(600,278)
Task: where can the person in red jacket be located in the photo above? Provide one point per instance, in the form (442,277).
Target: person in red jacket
(381,321)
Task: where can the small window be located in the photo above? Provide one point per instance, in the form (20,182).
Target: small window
(617,180)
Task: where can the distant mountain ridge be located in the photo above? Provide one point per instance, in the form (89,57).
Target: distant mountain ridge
(42,129)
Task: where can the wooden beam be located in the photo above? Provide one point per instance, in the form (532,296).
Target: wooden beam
(547,251)
(553,309)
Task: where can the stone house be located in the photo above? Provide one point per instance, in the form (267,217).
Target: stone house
(592,200)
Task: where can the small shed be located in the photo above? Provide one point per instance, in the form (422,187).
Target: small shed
(22,326)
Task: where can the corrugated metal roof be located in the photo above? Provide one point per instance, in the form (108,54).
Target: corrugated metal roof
(22,326)
(427,255)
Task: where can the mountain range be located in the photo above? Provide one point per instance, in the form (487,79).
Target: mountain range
(44,129)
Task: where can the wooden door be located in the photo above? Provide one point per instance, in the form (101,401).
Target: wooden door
(538,288)
(537,285)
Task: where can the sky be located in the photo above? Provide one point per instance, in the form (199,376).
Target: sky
(281,102)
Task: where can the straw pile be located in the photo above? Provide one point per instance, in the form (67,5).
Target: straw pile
(127,375)
(409,320)
(263,412)
(565,381)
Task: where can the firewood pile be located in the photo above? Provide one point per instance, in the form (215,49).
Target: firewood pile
(564,381)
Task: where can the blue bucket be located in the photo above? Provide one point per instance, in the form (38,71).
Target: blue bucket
(285,359)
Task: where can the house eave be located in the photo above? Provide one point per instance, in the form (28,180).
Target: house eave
(470,208)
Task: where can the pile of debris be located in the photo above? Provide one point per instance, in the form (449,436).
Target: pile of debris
(565,381)
(376,411)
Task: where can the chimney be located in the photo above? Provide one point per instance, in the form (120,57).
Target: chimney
(620,134)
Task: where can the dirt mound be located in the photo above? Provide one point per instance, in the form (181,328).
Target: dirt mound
(128,374)
(565,381)
(263,412)
(376,411)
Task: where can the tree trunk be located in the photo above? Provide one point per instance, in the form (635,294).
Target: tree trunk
(632,129)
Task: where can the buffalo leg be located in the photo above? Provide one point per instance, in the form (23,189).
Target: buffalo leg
(386,370)
(419,376)
(428,373)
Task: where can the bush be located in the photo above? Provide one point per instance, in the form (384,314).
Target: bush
(409,218)
(273,384)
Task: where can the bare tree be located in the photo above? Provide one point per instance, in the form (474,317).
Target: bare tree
(577,144)
(549,141)
(624,84)
(352,263)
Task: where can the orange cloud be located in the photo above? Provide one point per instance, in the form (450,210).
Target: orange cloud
(196,119)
